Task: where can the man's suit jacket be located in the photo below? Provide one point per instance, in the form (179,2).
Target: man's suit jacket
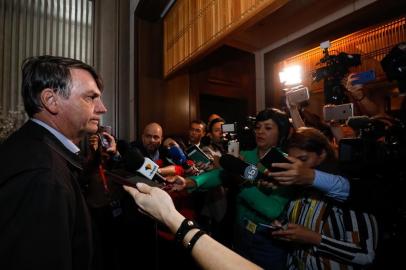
(44,222)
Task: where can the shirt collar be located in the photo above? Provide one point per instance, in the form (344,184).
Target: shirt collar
(155,155)
(65,141)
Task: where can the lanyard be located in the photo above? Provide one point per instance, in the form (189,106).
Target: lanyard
(103,178)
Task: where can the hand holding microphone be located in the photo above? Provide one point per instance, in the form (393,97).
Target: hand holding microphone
(179,158)
(149,169)
(135,162)
(177,183)
(248,172)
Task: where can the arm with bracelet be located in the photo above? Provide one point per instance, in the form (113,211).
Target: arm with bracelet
(356,91)
(208,253)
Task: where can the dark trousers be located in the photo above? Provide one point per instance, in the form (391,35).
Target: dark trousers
(260,248)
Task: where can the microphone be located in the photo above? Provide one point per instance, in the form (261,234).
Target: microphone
(135,162)
(178,157)
(237,166)
(149,169)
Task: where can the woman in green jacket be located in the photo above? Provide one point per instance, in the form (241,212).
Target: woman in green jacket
(257,207)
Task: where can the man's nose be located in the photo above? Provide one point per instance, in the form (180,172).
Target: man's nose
(100,108)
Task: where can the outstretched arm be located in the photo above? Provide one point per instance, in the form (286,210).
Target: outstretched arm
(208,253)
(297,120)
(358,94)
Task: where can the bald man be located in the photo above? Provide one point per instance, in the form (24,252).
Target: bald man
(152,139)
(150,142)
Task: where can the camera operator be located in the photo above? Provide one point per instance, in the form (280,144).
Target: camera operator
(376,159)
(214,148)
(359,96)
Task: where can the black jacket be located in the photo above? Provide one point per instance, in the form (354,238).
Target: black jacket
(44,222)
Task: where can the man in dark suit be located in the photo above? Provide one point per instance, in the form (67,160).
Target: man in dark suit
(197,130)
(150,143)
(44,222)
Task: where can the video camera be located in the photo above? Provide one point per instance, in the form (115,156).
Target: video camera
(239,135)
(334,69)
(379,148)
(394,65)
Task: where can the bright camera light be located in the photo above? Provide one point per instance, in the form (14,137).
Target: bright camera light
(291,75)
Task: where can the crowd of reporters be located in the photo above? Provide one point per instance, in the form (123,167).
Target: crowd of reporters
(299,214)
(284,203)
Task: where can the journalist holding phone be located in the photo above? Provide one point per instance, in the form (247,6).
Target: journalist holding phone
(326,233)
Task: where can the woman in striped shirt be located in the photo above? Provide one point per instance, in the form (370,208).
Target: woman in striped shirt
(327,233)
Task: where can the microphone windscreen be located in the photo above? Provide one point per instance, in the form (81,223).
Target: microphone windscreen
(237,166)
(133,160)
(177,155)
(232,164)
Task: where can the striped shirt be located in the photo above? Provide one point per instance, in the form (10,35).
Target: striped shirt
(349,238)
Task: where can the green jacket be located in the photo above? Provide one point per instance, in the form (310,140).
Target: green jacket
(258,205)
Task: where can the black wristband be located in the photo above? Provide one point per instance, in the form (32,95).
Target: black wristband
(194,239)
(184,227)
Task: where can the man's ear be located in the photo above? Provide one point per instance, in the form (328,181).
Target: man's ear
(49,100)
(323,155)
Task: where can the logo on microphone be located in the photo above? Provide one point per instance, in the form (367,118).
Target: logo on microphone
(250,172)
(148,169)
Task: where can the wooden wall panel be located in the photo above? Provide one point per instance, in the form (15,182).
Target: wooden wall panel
(372,43)
(149,84)
(176,110)
(193,27)
(158,100)
(227,73)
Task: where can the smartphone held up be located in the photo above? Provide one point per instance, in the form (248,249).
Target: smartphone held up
(274,155)
(103,139)
(338,112)
(363,77)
